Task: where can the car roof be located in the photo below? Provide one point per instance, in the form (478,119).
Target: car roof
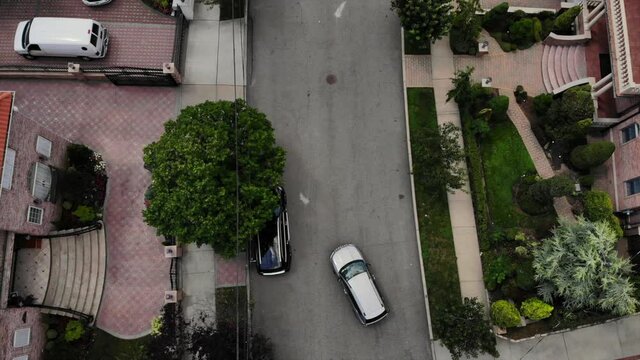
(67,30)
(344,255)
(366,295)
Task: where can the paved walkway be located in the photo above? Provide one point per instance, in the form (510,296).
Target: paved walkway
(463,223)
(117,122)
(613,340)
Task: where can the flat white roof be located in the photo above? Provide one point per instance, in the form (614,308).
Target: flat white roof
(47,30)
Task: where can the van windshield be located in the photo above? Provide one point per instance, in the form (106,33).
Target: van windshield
(25,35)
(94,40)
(95,29)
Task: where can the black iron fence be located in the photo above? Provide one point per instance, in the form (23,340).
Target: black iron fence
(119,75)
(179,41)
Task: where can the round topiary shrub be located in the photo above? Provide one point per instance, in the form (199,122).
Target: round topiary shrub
(505,314)
(496,19)
(585,157)
(542,103)
(536,309)
(52,334)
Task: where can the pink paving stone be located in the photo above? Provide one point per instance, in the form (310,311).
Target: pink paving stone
(139,36)
(117,122)
(231,272)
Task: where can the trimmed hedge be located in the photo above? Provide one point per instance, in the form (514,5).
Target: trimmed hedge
(598,206)
(562,24)
(505,314)
(585,157)
(495,19)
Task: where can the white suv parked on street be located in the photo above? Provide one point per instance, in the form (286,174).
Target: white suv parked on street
(359,284)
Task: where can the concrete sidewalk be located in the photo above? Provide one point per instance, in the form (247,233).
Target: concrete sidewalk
(463,222)
(613,340)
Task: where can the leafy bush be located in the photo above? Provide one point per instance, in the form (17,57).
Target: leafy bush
(81,158)
(476,178)
(537,30)
(598,206)
(156,325)
(536,309)
(499,106)
(525,276)
(85,213)
(591,155)
(438,158)
(586,181)
(466,26)
(73,331)
(495,19)
(497,270)
(545,190)
(522,33)
(505,314)
(567,116)
(542,103)
(525,199)
(465,331)
(564,21)
(580,265)
(520,94)
(424,20)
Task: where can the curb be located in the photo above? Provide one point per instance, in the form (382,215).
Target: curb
(413,198)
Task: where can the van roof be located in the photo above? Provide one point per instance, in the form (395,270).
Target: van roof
(49,30)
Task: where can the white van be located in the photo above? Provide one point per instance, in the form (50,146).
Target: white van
(63,37)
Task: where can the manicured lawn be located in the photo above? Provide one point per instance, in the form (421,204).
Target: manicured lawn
(436,238)
(505,160)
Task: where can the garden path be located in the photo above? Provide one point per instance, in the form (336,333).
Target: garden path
(463,223)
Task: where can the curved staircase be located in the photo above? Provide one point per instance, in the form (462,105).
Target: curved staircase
(562,64)
(78,268)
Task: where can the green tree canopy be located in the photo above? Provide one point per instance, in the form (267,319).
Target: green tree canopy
(193,175)
(424,20)
(438,158)
(464,330)
(592,155)
(579,265)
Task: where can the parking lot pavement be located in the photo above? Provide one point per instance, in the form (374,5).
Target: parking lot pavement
(117,122)
(328,75)
(139,36)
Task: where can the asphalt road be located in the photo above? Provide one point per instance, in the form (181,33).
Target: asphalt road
(329,78)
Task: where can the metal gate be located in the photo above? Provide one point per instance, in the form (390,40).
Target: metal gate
(140,77)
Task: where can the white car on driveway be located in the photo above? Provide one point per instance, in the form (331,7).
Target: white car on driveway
(359,284)
(95,2)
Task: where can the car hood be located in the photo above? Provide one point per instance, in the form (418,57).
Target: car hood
(344,255)
(366,295)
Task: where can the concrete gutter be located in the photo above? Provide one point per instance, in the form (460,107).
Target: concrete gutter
(413,199)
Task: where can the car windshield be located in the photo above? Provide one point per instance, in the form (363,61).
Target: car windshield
(269,248)
(352,269)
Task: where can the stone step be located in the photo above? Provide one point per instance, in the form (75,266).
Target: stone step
(63,254)
(573,73)
(84,280)
(70,274)
(545,69)
(75,292)
(54,272)
(564,63)
(93,275)
(553,76)
(102,269)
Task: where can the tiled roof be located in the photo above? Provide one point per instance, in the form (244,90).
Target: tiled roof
(6,100)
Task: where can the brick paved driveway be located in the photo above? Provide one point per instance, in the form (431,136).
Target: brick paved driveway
(139,36)
(118,122)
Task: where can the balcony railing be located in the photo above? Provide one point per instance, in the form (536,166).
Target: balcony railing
(622,53)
